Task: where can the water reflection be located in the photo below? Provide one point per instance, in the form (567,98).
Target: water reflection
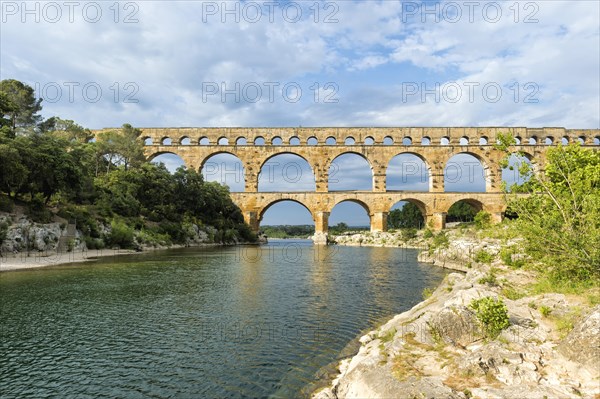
(224,322)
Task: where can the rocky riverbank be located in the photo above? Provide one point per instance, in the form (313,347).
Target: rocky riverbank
(441,349)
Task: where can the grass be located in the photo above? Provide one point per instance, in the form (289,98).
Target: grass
(427,292)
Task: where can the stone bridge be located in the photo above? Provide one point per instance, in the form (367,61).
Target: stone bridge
(320,146)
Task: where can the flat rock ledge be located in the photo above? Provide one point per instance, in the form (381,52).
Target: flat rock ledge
(437,350)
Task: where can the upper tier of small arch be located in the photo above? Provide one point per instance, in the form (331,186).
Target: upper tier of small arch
(339,136)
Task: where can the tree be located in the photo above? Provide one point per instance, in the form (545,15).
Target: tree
(121,147)
(13,173)
(408,217)
(560,216)
(66,129)
(461,211)
(18,105)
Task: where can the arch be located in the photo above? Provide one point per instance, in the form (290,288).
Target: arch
(225,168)
(277,140)
(408,171)
(146,140)
(294,140)
(170,159)
(581,140)
(241,141)
(166,141)
(407,141)
(350,175)
(312,140)
(549,140)
(330,141)
(597,140)
(350,214)
(483,140)
(287,213)
(532,140)
(564,140)
(223,141)
(388,140)
(459,210)
(445,140)
(369,140)
(401,217)
(349,141)
(204,141)
(259,140)
(464,141)
(291,173)
(426,140)
(466,172)
(185,140)
(518,140)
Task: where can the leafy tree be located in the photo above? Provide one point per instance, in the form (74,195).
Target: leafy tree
(18,105)
(66,129)
(121,147)
(13,174)
(408,217)
(560,216)
(461,211)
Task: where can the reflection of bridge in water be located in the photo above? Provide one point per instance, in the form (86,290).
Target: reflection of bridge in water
(321,146)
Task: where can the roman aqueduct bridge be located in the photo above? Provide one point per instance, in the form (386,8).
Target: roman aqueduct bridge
(320,146)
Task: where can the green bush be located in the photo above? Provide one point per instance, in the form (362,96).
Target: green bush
(427,233)
(409,234)
(427,292)
(121,235)
(506,255)
(483,220)
(3,231)
(440,240)
(37,210)
(492,315)
(483,256)
(94,243)
(6,204)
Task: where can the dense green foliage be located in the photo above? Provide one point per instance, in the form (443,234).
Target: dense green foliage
(461,211)
(560,216)
(106,187)
(492,315)
(288,231)
(409,216)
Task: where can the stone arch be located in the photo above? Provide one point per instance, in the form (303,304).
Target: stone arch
(185,140)
(468,171)
(532,140)
(148,140)
(259,140)
(426,140)
(171,159)
(407,140)
(226,170)
(336,173)
(357,201)
(413,170)
(475,204)
(166,141)
(369,140)
(330,141)
(549,140)
(223,141)
(565,140)
(264,209)
(294,140)
(241,141)
(277,140)
(483,140)
(291,173)
(204,141)
(312,140)
(420,206)
(464,140)
(581,140)
(597,140)
(349,141)
(388,140)
(518,140)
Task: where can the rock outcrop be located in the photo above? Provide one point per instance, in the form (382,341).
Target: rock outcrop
(438,350)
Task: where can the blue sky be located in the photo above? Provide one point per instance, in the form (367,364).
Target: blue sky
(346,63)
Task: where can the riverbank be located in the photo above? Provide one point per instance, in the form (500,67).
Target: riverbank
(440,347)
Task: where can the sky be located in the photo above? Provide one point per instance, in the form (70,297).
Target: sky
(329,63)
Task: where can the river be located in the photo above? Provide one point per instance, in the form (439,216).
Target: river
(188,323)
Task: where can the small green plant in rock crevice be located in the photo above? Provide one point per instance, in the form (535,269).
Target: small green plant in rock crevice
(492,315)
